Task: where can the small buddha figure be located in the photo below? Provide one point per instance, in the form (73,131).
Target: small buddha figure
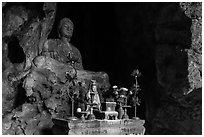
(61,49)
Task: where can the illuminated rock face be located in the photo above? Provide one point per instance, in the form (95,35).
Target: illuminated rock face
(178,60)
(22,32)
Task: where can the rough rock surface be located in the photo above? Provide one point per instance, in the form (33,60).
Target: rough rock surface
(22,29)
(179,70)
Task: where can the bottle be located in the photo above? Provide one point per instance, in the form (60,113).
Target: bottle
(120,111)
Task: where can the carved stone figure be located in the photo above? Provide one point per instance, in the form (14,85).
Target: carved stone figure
(61,49)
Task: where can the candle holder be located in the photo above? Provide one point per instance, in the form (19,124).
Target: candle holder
(136,101)
(72,108)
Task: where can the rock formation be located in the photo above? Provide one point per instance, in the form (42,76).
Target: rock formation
(178,61)
(22,32)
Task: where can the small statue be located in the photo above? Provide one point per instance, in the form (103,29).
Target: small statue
(61,49)
(94,100)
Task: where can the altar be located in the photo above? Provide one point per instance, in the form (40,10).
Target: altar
(103,118)
(99,127)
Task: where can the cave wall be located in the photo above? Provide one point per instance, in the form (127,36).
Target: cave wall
(22,32)
(178,61)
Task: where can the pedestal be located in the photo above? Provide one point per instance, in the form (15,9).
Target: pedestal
(102,127)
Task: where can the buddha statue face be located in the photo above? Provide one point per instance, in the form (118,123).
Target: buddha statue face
(66,28)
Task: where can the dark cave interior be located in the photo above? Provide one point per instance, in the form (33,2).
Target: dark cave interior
(118,37)
(21,96)
(15,51)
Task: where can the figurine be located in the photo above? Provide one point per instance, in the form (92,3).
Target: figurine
(94,100)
